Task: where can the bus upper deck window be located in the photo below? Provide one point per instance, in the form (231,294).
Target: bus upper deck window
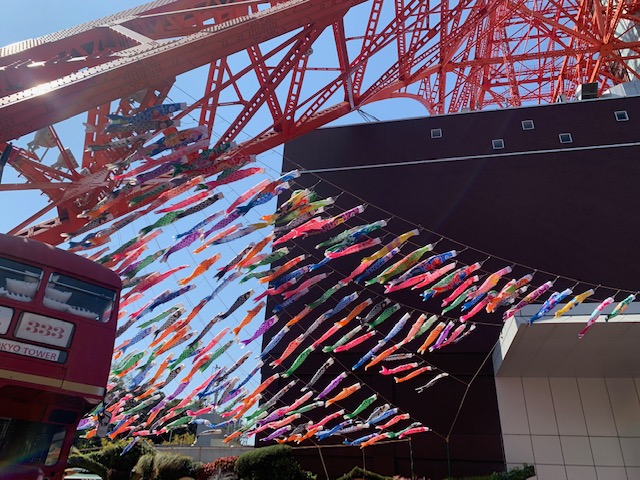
(19,281)
(79,298)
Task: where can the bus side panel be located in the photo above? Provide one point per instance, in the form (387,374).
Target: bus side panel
(89,360)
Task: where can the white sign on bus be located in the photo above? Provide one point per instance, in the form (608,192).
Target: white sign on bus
(27,350)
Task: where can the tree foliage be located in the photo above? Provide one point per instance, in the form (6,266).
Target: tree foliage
(220,469)
(358,472)
(166,466)
(527,471)
(108,461)
(270,463)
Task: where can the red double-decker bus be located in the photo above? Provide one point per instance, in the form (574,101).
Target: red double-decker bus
(58,314)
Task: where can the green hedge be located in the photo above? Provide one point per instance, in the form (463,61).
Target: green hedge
(167,466)
(108,461)
(523,473)
(270,463)
(358,472)
(527,471)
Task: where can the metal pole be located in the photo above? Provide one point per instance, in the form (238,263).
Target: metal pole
(4,158)
(413,475)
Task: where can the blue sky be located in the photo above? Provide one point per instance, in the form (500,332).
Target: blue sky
(33,18)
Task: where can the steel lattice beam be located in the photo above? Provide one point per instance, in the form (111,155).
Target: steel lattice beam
(448,55)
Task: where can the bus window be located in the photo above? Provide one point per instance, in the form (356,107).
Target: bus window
(5,319)
(29,443)
(18,281)
(79,298)
(55,449)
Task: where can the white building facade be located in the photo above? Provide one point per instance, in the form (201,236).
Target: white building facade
(571,407)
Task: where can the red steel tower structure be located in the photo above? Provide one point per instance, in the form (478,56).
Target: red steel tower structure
(447,55)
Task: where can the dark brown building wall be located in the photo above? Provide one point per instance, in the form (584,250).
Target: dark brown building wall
(565,209)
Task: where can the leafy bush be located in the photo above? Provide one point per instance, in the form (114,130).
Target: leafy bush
(270,463)
(527,471)
(220,468)
(225,463)
(144,467)
(171,466)
(166,466)
(186,438)
(108,461)
(206,473)
(523,473)
(358,472)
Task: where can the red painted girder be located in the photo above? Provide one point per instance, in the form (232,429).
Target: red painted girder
(313,116)
(369,37)
(343,60)
(73,197)
(413,96)
(301,46)
(270,139)
(295,88)
(184,17)
(262,72)
(401,40)
(8,187)
(388,81)
(35,216)
(153,21)
(216,83)
(51,231)
(502,45)
(97,119)
(463,91)
(419,28)
(35,61)
(213,88)
(473,45)
(49,61)
(438,65)
(28,164)
(33,109)
(377,43)
(584,35)
(552,54)
(25,162)
(607,47)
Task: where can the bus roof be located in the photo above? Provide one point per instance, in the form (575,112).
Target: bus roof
(38,253)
